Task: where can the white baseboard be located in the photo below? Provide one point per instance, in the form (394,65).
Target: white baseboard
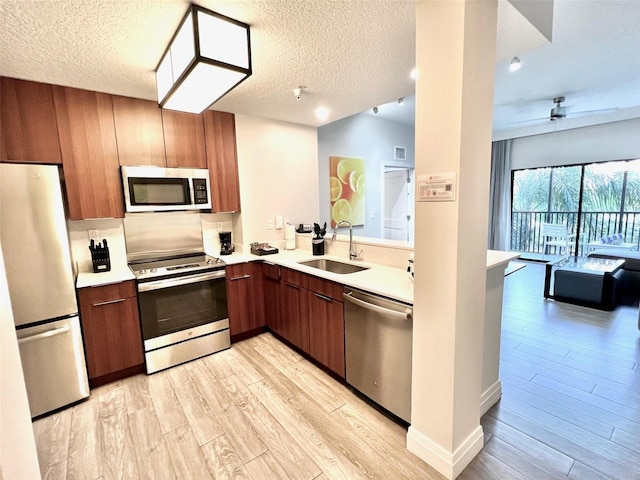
(490,396)
(449,464)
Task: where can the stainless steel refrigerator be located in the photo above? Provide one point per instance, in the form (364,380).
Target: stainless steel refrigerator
(35,247)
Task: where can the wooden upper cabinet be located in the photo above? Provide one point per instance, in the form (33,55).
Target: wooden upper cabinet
(89,153)
(139,133)
(220,137)
(28,129)
(184,139)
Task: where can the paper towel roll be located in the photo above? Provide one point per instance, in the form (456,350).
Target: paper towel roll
(290,237)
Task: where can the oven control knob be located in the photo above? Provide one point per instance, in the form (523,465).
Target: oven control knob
(210,261)
(154,270)
(142,272)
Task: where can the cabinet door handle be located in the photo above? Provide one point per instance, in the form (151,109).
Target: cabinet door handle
(240,278)
(293,285)
(328,299)
(109,302)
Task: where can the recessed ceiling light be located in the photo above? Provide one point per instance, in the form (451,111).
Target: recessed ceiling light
(322,113)
(515,64)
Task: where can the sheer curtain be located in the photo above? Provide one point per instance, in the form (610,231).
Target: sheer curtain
(500,196)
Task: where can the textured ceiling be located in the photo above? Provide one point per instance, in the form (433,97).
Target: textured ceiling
(350,54)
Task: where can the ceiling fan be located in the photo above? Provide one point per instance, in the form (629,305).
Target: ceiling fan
(559,112)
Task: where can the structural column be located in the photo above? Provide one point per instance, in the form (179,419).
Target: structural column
(455,57)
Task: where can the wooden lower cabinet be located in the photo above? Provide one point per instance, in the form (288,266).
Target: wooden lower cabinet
(271,275)
(111,331)
(326,324)
(244,297)
(293,308)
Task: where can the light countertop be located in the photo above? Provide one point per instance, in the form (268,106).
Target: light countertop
(117,274)
(382,280)
(497,258)
(390,282)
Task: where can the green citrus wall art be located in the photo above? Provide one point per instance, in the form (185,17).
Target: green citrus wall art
(347,189)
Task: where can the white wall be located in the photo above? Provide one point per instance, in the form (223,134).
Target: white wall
(18,457)
(371,138)
(277,164)
(597,143)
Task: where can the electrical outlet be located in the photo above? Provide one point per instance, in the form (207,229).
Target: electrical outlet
(270,224)
(219,226)
(93,234)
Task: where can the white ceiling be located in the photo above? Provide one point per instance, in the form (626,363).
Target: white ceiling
(350,54)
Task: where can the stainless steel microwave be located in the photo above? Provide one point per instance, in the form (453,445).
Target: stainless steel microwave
(158,189)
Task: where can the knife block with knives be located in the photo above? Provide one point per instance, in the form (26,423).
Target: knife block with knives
(100,256)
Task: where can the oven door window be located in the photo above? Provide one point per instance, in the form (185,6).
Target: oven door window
(159,191)
(176,308)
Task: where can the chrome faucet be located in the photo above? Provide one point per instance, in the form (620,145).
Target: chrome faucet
(353,255)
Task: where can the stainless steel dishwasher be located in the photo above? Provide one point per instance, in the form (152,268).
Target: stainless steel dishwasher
(378,339)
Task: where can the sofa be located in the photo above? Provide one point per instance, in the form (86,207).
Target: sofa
(629,288)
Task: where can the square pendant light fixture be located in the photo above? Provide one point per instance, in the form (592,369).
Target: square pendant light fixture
(209,55)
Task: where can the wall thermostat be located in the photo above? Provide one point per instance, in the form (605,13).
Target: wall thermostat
(436,187)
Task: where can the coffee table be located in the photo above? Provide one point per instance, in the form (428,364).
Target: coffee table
(584,281)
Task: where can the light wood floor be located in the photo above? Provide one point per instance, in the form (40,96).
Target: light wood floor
(570,409)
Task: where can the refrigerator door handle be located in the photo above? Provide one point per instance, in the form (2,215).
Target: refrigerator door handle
(48,333)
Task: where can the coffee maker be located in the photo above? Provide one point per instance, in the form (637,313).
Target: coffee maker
(226,247)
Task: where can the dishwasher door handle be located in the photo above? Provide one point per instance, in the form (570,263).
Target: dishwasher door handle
(376,308)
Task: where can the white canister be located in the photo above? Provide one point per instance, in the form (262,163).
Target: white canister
(290,237)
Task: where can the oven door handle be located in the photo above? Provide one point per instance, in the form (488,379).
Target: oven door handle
(175,282)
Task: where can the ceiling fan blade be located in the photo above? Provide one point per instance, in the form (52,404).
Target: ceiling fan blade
(531,120)
(588,112)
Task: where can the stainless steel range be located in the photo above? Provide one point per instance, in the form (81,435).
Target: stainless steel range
(182,293)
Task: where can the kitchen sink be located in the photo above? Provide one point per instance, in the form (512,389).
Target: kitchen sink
(333,266)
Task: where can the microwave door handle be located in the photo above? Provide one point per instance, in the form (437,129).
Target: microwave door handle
(175,282)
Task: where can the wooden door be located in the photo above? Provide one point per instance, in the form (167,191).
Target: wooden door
(293,307)
(222,160)
(271,300)
(184,139)
(89,153)
(244,298)
(326,327)
(29,130)
(139,132)
(111,328)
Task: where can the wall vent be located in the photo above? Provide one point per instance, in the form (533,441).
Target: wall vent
(400,153)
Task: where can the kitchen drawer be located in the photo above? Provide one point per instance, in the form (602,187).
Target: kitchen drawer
(106,293)
(271,270)
(292,277)
(326,288)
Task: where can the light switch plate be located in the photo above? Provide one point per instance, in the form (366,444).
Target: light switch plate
(270,224)
(93,234)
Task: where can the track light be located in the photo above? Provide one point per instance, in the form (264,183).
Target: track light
(375,109)
(515,64)
(401,101)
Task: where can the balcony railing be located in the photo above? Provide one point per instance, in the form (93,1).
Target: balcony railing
(526,228)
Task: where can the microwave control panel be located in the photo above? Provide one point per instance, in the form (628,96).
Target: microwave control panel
(200,191)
